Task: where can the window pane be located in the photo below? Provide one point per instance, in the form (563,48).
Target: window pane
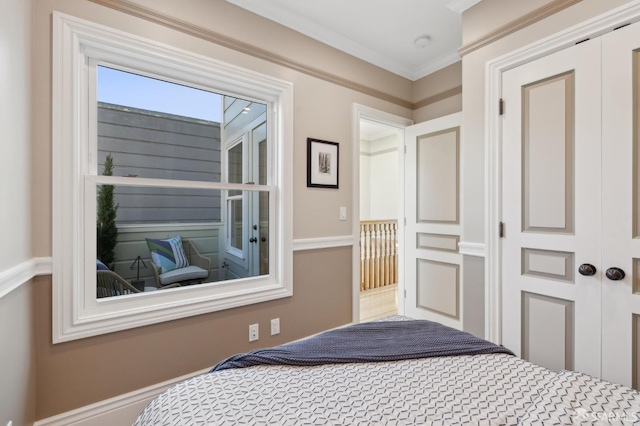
(235,167)
(263,228)
(182,227)
(235,223)
(152,205)
(157,129)
(247,230)
(262,162)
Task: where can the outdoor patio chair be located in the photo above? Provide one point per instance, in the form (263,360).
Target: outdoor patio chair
(111,284)
(198,269)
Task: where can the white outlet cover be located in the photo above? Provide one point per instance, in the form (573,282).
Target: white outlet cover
(275,326)
(254,332)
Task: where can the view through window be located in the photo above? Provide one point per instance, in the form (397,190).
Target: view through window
(161,229)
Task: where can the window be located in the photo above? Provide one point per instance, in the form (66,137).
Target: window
(150,143)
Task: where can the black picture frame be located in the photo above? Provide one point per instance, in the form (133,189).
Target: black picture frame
(323,164)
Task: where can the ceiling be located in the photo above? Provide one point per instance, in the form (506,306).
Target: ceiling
(381,32)
(371,131)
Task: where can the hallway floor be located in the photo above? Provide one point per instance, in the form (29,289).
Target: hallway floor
(378,303)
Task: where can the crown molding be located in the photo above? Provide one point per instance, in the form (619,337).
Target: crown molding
(460,6)
(436,65)
(311,28)
(516,25)
(246,48)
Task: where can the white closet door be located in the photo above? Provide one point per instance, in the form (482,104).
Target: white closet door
(620,204)
(551,178)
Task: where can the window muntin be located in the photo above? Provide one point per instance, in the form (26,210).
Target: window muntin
(80,48)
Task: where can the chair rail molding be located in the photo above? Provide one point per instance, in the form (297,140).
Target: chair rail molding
(22,273)
(471,249)
(322,242)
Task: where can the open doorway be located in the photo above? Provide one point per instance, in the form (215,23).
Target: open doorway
(379,215)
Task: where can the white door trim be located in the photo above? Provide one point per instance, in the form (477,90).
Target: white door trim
(364,112)
(594,27)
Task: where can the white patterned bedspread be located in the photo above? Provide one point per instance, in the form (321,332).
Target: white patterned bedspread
(572,398)
(492,389)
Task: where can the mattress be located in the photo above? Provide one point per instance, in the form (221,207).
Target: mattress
(487,389)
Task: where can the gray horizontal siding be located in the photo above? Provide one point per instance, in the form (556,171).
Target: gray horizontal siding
(155,145)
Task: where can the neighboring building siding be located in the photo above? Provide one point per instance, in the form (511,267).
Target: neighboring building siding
(150,144)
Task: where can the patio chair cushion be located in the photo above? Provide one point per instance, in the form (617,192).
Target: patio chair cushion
(167,254)
(183,274)
(101,266)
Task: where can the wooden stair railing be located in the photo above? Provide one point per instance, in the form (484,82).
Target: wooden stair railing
(378,253)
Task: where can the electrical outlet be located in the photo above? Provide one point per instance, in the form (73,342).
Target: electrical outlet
(254,332)
(275,326)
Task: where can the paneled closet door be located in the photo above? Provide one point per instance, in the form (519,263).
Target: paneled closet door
(551,180)
(621,205)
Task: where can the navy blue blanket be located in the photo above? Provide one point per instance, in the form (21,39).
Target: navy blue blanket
(369,342)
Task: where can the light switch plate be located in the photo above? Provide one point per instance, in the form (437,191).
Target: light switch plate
(343,213)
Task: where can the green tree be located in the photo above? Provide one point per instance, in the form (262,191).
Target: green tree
(106,218)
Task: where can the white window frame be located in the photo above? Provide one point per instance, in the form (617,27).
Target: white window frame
(77,313)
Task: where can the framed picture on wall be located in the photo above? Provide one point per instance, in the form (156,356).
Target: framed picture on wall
(322,164)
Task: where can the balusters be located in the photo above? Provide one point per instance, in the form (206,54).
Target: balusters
(378,253)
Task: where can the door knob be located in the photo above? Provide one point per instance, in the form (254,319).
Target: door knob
(253,240)
(615,274)
(587,269)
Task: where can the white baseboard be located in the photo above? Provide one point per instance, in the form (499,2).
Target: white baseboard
(120,410)
(22,273)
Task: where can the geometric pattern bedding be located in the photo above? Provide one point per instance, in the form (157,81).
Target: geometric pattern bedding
(491,389)
(574,398)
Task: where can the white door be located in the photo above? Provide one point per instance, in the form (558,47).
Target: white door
(246,252)
(620,208)
(551,185)
(432,208)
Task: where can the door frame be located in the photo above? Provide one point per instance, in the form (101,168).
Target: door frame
(628,13)
(400,123)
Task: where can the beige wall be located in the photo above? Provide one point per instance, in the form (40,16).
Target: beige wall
(17,329)
(17,357)
(480,20)
(15,104)
(438,94)
(74,374)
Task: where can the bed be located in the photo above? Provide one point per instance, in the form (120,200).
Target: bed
(381,374)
